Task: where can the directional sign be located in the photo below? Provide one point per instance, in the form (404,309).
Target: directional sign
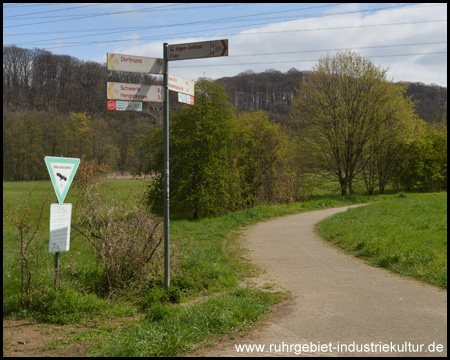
(122,91)
(133,63)
(181,85)
(198,50)
(60,218)
(61,170)
(187,99)
(124,105)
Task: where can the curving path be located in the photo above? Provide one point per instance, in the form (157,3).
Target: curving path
(338,300)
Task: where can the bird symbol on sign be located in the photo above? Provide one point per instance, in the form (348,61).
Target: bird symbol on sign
(61,176)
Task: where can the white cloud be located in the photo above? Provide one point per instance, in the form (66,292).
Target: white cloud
(280,38)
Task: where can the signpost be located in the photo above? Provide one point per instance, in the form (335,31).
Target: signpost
(198,50)
(154,93)
(62,171)
(132,63)
(181,85)
(124,105)
(123,91)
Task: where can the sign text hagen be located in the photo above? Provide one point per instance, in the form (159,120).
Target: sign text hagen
(198,50)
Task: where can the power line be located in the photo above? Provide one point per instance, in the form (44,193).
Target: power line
(302,60)
(247,34)
(93,15)
(243,16)
(339,49)
(165,9)
(47,11)
(37,42)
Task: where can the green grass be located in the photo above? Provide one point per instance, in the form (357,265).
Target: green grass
(170,330)
(207,261)
(407,234)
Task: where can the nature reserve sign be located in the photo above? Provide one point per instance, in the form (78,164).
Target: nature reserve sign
(61,170)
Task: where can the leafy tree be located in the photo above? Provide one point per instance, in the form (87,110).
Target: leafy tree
(202,176)
(424,161)
(342,103)
(382,152)
(82,132)
(257,148)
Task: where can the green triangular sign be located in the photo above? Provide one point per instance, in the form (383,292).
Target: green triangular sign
(61,170)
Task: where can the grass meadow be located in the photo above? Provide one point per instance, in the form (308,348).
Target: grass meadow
(406,233)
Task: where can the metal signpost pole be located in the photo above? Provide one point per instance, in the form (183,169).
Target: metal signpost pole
(166,168)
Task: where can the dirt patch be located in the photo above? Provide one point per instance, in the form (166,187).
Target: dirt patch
(25,338)
(22,338)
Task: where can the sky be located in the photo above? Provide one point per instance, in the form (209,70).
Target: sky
(407,39)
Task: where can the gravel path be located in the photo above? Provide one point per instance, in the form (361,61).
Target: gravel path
(339,301)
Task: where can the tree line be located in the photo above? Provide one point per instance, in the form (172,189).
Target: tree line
(258,133)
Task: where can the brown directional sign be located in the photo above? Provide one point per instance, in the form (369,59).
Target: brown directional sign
(198,50)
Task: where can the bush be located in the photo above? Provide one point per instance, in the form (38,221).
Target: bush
(125,238)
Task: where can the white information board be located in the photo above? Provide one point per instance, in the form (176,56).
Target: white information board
(60,219)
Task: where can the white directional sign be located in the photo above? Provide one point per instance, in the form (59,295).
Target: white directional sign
(60,219)
(133,63)
(181,85)
(61,170)
(198,50)
(139,92)
(124,105)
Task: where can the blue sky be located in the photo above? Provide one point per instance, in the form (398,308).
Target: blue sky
(410,40)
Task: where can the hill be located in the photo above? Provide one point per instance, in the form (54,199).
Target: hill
(53,103)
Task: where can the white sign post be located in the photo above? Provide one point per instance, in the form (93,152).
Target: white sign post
(138,92)
(154,93)
(133,63)
(181,85)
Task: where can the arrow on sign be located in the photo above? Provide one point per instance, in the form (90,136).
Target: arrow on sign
(61,170)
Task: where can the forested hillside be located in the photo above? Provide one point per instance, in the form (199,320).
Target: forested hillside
(55,105)
(273,91)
